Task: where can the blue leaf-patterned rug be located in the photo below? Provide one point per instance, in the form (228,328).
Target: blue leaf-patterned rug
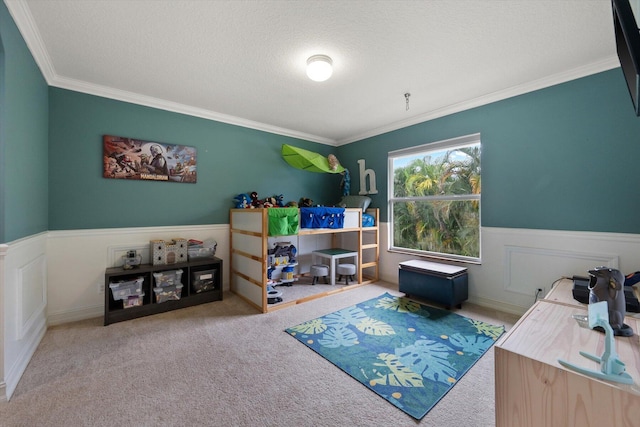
(408,353)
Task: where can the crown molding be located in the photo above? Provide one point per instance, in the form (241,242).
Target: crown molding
(576,73)
(21,15)
(119,95)
(135,98)
(24,20)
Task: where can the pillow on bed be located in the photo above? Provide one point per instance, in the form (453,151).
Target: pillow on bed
(361,202)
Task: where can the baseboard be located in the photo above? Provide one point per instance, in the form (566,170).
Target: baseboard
(75,315)
(497,305)
(14,374)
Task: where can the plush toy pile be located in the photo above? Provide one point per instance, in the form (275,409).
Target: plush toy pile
(251,201)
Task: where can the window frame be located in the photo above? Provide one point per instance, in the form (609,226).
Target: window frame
(443,145)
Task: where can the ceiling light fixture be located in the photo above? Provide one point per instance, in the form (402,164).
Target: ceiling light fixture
(319,67)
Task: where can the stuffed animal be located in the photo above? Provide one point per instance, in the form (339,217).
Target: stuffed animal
(242,201)
(607,284)
(345,184)
(269,202)
(333,162)
(255,202)
(292,204)
(279,200)
(306,203)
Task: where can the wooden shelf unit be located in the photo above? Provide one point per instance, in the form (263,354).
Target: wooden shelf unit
(249,246)
(114,310)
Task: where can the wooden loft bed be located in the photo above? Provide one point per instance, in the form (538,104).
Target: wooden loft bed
(249,242)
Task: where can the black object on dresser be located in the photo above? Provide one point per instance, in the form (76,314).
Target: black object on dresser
(199,282)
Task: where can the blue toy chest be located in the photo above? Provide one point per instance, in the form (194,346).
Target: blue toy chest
(441,283)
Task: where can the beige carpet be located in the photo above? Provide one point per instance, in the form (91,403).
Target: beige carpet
(220,364)
(303,288)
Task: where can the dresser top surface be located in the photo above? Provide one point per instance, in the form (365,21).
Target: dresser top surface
(548,332)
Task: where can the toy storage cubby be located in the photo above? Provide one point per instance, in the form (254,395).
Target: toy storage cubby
(200,281)
(282,264)
(250,244)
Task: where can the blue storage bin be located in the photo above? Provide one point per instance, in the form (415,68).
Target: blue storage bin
(321,217)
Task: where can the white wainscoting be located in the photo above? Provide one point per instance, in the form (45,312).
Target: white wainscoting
(77,261)
(517,262)
(23,286)
(58,277)
(4,249)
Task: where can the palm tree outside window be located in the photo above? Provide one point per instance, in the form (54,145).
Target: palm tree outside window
(434,199)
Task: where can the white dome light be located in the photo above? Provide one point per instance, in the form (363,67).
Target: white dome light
(319,68)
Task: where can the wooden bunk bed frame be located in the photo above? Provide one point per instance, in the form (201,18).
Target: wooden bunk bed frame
(249,254)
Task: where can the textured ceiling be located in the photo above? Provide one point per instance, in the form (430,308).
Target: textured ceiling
(243,62)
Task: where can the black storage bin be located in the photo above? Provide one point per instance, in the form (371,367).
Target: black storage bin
(441,283)
(204,280)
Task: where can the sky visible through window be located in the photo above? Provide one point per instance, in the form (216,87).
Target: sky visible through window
(400,162)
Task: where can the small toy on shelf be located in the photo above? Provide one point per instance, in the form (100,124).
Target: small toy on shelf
(273,296)
(285,249)
(251,201)
(270,271)
(269,202)
(345,184)
(255,202)
(281,262)
(242,201)
(306,203)
(169,251)
(131,260)
(333,162)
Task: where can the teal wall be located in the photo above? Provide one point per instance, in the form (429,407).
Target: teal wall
(23,137)
(3,84)
(560,158)
(231,160)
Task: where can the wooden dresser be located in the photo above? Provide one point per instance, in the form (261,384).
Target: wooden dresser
(533,389)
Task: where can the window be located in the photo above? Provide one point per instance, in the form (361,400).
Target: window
(434,199)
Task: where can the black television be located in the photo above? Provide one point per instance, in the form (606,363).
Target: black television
(628,46)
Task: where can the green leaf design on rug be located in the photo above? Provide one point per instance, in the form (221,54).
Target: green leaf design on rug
(401,305)
(312,327)
(399,375)
(489,330)
(473,344)
(348,316)
(338,337)
(408,353)
(430,359)
(357,317)
(371,326)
